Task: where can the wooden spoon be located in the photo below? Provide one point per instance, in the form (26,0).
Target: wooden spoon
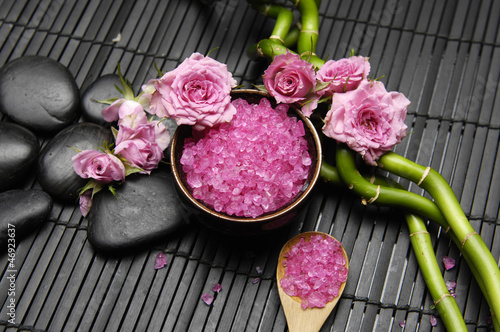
(298,319)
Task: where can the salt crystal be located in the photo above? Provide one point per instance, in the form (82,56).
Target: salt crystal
(313,272)
(207,298)
(433,320)
(448,262)
(244,169)
(160,261)
(450,285)
(217,288)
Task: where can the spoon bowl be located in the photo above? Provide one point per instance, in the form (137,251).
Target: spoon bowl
(299,319)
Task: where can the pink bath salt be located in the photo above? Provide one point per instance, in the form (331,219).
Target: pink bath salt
(216,288)
(253,165)
(448,262)
(160,261)
(207,298)
(314,271)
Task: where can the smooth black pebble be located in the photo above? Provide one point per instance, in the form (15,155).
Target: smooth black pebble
(103,88)
(22,211)
(39,93)
(145,211)
(55,167)
(19,148)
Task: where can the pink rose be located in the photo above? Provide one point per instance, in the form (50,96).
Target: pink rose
(131,114)
(196,93)
(344,74)
(110,113)
(101,166)
(138,146)
(369,120)
(289,79)
(162,136)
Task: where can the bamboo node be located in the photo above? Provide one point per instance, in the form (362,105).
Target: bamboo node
(373,199)
(442,298)
(419,232)
(426,172)
(372,179)
(310,31)
(277,38)
(447,229)
(467,237)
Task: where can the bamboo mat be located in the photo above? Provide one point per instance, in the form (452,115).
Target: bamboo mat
(443,55)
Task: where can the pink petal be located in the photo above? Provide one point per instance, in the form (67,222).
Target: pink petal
(433,320)
(448,262)
(450,285)
(207,298)
(160,261)
(217,288)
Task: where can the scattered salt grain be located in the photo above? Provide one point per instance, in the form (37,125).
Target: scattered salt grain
(258,269)
(216,288)
(160,261)
(314,271)
(450,284)
(256,164)
(207,298)
(402,323)
(256,280)
(433,320)
(448,262)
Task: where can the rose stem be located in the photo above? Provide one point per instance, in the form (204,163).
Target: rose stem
(471,242)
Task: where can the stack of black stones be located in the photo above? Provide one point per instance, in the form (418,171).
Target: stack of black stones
(45,120)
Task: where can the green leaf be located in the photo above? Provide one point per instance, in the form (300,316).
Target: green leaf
(159,73)
(213,49)
(108,101)
(261,88)
(131,169)
(115,132)
(127,92)
(77,150)
(93,185)
(352,53)
(112,190)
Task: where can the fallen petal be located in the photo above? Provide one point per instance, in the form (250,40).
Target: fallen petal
(217,288)
(207,298)
(433,320)
(448,262)
(160,261)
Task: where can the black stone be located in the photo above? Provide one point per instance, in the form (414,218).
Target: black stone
(55,168)
(146,210)
(19,149)
(103,88)
(39,93)
(23,211)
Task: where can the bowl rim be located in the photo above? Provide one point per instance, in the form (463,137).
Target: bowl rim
(298,200)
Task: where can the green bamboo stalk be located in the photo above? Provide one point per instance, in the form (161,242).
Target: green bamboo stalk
(445,303)
(444,197)
(309,33)
(382,195)
(330,174)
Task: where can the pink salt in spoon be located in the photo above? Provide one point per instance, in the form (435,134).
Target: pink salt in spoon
(297,318)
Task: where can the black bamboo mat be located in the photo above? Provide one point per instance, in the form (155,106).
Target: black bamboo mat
(443,55)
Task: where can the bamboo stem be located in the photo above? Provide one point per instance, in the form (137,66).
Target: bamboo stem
(471,243)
